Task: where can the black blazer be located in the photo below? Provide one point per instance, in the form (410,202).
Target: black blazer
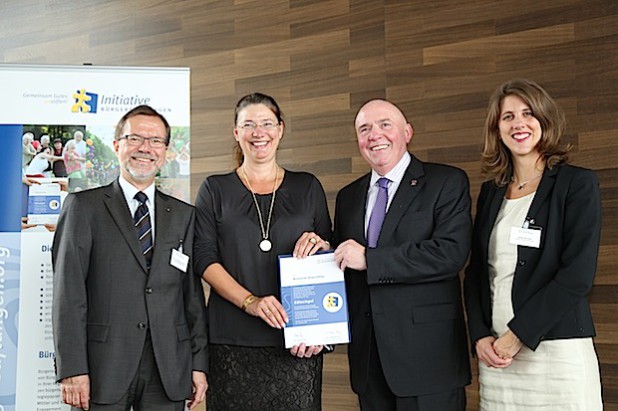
(410,295)
(106,301)
(551,282)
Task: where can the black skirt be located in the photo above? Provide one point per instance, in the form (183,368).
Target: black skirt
(262,378)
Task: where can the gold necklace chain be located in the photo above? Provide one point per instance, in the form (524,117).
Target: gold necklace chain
(265,230)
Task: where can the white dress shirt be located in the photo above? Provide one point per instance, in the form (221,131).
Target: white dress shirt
(395,176)
(129,191)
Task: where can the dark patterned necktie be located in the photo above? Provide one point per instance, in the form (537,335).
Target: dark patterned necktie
(141,219)
(378,213)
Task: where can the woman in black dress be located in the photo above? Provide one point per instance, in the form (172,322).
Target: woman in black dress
(245,219)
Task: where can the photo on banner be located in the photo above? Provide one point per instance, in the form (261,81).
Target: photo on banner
(57,126)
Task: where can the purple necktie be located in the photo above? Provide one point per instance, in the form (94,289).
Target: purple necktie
(378,213)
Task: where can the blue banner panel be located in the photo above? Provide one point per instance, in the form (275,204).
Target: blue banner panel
(10,183)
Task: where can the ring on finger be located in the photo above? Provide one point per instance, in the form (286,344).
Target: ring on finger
(313,240)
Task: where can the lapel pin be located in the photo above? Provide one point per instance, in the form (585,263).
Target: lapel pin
(413,183)
(168,209)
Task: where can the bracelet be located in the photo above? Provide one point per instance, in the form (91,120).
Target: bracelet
(250,298)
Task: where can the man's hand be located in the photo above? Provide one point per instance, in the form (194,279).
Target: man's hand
(76,391)
(200,385)
(351,254)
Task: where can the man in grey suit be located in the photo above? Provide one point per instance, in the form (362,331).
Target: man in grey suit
(403,233)
(128,313)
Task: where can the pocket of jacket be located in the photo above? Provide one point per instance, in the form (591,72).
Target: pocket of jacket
(97,332)
(434,312)
(183,332)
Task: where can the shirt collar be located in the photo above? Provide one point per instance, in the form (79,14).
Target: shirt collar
(396,173)
(130,190)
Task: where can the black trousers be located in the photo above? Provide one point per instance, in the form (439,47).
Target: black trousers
(146,392)
(379,397)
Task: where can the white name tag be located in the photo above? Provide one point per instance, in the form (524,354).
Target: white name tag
(179,260)
(527,237)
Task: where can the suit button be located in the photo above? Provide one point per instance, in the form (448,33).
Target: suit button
(148,290)
(367,314)
(141,326)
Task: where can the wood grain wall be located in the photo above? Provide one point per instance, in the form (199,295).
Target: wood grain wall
(438,59)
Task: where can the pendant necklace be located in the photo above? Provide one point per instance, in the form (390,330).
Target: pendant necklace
(520,186)
(265,245)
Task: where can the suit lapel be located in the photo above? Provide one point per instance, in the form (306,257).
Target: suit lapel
(542,192)
(118,208)
(410,186)
(163,221)
(357,214)
(494,205)
(490,212)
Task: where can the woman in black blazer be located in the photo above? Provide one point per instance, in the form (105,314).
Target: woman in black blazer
(533,261)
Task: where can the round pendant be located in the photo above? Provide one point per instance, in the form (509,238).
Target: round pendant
(266,245)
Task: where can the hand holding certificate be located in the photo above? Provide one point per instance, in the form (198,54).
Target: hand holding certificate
(313,295)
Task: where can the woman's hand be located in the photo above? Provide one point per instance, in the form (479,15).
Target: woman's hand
(270,310)
(507,345)
(306,351)
(309,243)
(488,356)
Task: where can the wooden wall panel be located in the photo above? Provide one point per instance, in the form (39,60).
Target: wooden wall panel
(439,60)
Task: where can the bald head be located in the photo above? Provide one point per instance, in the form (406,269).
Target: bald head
(383,134)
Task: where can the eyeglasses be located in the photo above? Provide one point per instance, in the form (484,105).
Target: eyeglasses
(136,140)
(267,125)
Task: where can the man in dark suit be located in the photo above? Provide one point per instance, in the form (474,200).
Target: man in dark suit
(403,233)
(128,313)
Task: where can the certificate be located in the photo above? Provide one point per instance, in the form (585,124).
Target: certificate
(313,295)
(44,203)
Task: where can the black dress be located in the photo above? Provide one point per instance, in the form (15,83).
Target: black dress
(249,368)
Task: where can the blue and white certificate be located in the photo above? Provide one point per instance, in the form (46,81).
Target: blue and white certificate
(313,295)
(44,201)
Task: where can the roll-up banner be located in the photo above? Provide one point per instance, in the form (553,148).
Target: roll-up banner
(57,126)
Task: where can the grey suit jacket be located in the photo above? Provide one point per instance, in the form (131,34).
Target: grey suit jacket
(105,301)
(410,295)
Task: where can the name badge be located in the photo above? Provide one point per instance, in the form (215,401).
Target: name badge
(179,260)
(528,237)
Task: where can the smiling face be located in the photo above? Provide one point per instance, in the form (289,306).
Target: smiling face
(139,164)
(519,130)
(383,135)
(258,144)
